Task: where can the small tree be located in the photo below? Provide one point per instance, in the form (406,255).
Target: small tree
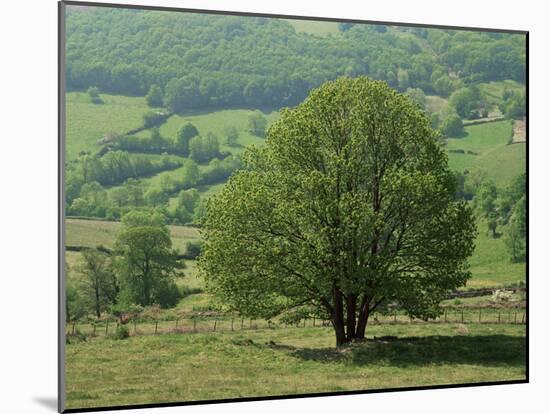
(154,97)
(232,136)
(147,261)
(191,174)
(516,240)
(485,202)
(452,126)
(257,124)
(99,281)
(417,95)
(184,135)
(93,93)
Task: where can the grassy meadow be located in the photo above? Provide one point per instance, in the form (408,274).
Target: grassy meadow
(487,149)
(88,122)
(201,366)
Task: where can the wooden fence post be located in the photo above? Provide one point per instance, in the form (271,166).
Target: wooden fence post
(231,324)
(107,327)
(395,316)
(194,325)
(515,317)
(305,322)
(523,318)
(314,322)
(242,323)
(499,317)
(479,319)
(135,328)
(462,316)
(215,322)
(445,315)
(156,326)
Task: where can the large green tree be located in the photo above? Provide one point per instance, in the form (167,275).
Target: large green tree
(350,205)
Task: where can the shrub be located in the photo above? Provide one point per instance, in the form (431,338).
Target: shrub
(74,338)
(193,249)
(122,332)
(168,294)
(452,126)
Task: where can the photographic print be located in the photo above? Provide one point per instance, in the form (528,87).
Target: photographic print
(272,206)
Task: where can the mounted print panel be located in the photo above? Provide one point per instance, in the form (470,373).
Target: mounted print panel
(264,206)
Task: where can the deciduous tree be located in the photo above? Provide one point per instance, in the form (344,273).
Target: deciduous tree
(350,205)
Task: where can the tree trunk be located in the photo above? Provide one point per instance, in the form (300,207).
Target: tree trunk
(97,304)
(351,304)
(338,318)
(363,318)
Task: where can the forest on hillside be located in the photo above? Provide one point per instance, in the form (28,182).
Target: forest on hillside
(194,61)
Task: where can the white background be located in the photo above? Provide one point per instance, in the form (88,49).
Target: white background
(28,231)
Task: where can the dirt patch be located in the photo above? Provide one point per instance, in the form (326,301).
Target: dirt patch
(519,131)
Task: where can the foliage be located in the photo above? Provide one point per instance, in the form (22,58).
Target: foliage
(203,60)
(122,332)
(204,149)
(93,93)
(193,249)
(147,262)
(154,97)
(184,135)
(257,124)
(75,304)
(100,284)
(516,240)
(468,102)
(417,95)
(232,136)
(452,126)
(331,215)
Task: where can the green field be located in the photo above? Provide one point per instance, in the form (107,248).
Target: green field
(186,367)
(92,233)
(216,122)
(492,91)
(491,152)
(88,122)
(490,264)
(313,27)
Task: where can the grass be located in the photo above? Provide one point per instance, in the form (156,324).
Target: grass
(313,27)
(490,264)
(186,367)
(216,122)
(88,122)
(501,162)
(92,233)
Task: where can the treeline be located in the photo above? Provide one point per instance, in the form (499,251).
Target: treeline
(113,168)
(191,61)
(92,199)
(501,209)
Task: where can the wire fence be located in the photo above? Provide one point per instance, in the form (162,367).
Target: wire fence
(231,324)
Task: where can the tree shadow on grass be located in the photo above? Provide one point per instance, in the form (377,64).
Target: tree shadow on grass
(487,350)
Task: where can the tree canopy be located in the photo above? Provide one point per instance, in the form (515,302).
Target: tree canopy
(349,206)
(148,263)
